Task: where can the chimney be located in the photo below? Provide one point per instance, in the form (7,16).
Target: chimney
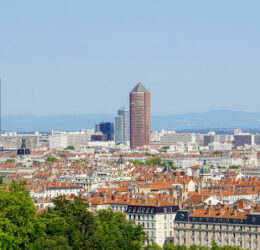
(199,188)
(234,212)
(241,204)
(221,211)
(209,208)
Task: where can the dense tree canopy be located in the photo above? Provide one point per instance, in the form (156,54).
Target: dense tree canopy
(69,225)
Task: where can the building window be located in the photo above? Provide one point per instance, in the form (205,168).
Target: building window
(165,225)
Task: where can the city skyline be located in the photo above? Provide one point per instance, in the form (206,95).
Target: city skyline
(194,57)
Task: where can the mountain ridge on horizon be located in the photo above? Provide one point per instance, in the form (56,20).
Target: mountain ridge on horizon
(71,122)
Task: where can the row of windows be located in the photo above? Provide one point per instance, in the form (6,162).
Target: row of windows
(217,227)
(225,243)
(140,217)
(147,210)
(147,225)
(253,236)
(119,208)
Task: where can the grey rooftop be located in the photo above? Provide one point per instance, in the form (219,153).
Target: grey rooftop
(139,88)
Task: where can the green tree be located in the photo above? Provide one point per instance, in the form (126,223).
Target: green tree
(70,147)
(113,232)
(137,162)
(52,159)
(11,160)
(154,162)
(63,155)
(79,225)
(19,224)
(164,149)
(168,246)
(51,242)
(234,167)
(153,246)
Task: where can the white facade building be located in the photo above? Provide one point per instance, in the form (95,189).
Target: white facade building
(171,139)
(157,221)
(214,146)
(58,141)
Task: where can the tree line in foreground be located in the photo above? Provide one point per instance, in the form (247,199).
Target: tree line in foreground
(69,225)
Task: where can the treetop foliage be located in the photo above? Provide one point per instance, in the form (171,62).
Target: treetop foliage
(69,225)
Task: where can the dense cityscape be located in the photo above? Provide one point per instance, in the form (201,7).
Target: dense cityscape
(130,125)
(179,189)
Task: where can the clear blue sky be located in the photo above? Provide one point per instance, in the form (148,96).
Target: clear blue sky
(84,56)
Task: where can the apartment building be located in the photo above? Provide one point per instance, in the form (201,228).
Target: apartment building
(222,224)
(157,221)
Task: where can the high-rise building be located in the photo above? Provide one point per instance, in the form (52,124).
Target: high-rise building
(257,139)
(107,128)
(243,139)
(209,139)
(140,116)
(122,126)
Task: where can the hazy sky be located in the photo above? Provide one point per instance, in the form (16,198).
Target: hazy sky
(84,56)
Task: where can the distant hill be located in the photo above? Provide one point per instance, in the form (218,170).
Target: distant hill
(212,119)
(193,121)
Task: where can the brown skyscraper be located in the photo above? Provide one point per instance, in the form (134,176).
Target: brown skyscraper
(140,116)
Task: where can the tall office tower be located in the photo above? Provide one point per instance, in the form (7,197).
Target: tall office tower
(107,128)
(119,129)
(140,116)
(122,126)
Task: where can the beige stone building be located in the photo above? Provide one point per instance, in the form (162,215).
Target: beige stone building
(224,225)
